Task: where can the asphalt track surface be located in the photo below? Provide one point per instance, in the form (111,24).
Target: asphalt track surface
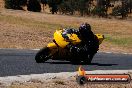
(21,62)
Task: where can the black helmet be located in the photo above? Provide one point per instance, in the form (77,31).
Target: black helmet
(85,26)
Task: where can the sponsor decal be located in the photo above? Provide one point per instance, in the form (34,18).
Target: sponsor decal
(82,77)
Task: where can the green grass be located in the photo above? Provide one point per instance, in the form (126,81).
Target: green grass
(125,41)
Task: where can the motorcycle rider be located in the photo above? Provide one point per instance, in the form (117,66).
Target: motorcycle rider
(89,40)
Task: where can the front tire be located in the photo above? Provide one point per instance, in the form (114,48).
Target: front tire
(42,55)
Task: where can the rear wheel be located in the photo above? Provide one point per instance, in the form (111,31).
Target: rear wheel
(75,59)
(88,58)
(42,55)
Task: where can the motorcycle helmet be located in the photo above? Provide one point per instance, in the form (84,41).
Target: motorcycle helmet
(85,26)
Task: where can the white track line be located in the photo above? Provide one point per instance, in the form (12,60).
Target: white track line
(35,49)
(117,53)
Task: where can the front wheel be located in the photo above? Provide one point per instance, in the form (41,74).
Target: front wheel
(42,55)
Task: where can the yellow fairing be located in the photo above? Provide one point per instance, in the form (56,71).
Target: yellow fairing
(51,45)
(59,39)
(100,37)
(62,42)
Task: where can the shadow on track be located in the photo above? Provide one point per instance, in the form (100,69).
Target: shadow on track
(97,64)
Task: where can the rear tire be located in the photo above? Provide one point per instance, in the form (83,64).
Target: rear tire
(88,58)
(42,55)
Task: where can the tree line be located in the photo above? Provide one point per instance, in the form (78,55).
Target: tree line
(101,8)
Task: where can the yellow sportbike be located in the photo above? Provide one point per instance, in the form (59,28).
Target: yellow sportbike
(57,50)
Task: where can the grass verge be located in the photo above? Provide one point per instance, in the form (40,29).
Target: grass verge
(123,42)
(28,22)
